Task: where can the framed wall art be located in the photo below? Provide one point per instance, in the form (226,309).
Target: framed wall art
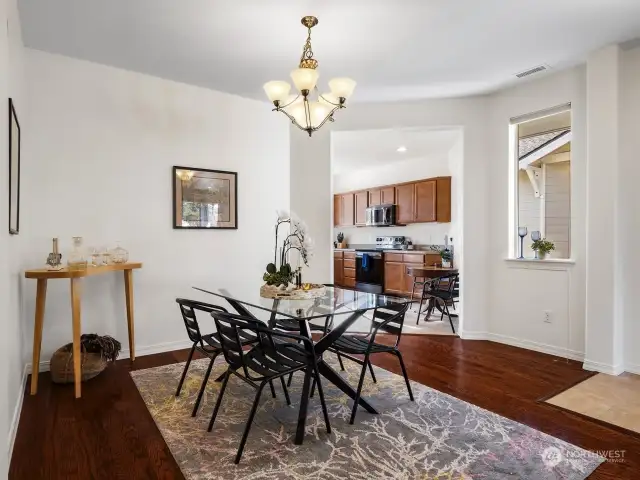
(204,199)
(14,170)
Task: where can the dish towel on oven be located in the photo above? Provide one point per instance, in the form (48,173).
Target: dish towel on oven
(365,261)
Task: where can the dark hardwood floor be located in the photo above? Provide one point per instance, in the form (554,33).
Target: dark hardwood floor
(110,434)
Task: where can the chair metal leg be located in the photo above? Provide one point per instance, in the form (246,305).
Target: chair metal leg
(404,374)
(227,374)
(220,378)
(249,422)
(302,413)
(184,372)
(453,329)
(290,379)
(373,375)
(357,399)
(273,390)
(420,309)
(442,313)
(286,392)
(313,387)
(205,380)
(340,361)
(325,412)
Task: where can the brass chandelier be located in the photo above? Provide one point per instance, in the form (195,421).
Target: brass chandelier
(309,110)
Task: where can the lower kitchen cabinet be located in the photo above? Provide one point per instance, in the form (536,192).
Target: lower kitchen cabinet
(394,274)
(338,269)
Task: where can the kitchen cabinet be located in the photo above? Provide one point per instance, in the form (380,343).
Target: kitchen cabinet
(421,201)
(346,209)
(361,202)
(425,201)
(375,198)
(394,277)
(397,281)
(387,196)
(338,268)
(405,201)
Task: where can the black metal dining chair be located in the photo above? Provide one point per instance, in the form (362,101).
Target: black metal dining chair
(445,290)
(208,344)
(275,355)
(388,320)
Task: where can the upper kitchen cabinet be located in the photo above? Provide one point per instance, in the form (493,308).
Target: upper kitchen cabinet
(422,201)
(374,197)
(443,199)
(405,199)
(346,209)
(387,195)
(361,201)
(381,196)
(425,206)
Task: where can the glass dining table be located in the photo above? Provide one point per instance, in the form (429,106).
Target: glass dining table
(332,314)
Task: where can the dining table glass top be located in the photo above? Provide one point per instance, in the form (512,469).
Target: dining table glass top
(334,301)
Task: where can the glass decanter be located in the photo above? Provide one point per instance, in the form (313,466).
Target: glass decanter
(119,254)
(77,259)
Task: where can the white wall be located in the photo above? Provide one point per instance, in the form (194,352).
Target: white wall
(629,195)
(398,172)
(467,114)
(311,197)
(11,364)
(524,290)
(102,143)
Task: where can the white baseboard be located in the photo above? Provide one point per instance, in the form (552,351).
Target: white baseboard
(632,368)
(465,335)
(603,367)
(15,421)
(535,346)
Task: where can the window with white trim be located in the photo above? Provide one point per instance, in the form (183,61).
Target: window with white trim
(541,156)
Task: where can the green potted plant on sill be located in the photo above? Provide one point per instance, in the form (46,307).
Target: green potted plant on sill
(447,257)
(542,248)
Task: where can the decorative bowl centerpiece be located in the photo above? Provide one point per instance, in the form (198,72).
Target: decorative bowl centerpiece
(283,281)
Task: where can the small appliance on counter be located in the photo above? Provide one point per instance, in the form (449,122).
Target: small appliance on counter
(381,216)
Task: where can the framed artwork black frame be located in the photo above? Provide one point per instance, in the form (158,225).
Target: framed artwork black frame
(14,171)
(233,198)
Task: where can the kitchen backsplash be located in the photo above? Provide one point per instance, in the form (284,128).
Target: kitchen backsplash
(419,234)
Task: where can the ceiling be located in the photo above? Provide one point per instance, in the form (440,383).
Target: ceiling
(357,150)
(395,50)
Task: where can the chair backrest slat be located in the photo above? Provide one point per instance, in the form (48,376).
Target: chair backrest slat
(390,319)
(188,310)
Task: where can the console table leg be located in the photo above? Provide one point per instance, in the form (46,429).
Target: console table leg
(128,291)
(77,331)
(41,298)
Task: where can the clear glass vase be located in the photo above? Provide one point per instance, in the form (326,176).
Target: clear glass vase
(119,254)
(77,259)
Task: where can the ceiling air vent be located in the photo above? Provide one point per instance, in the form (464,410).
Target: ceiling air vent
(531,71)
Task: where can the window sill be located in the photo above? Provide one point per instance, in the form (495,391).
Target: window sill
(546,264)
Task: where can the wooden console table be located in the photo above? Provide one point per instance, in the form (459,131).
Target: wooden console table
(42,275)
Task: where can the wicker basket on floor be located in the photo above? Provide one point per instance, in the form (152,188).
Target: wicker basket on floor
(62,365)
(95,354)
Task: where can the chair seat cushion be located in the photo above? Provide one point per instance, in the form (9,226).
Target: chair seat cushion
(358,345)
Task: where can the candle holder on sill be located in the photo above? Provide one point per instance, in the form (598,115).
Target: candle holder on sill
(54,259)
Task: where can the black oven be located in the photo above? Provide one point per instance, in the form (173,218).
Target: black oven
(369,271)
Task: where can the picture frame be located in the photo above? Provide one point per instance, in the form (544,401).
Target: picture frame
(204,199)
(14,170)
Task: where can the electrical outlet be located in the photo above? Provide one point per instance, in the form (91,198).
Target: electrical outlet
(547,316)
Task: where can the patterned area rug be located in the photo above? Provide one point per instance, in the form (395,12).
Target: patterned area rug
(435,437)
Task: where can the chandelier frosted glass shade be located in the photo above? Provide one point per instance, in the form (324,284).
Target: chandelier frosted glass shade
(309,110)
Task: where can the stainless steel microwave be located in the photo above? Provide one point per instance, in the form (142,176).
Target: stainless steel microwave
(381,216)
